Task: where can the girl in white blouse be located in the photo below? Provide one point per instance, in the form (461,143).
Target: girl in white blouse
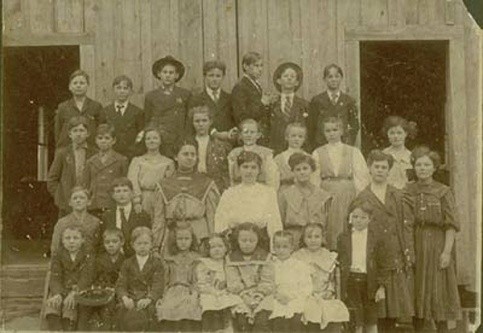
(342,172)
(249,201)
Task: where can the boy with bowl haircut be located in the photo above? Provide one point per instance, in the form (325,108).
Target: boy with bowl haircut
(123,216)
(127,118)
(67,169)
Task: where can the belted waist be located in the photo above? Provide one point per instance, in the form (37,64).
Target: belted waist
(287,181)
(336,178)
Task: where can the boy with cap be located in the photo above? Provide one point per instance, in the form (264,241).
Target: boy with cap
(166,107)
(288,108)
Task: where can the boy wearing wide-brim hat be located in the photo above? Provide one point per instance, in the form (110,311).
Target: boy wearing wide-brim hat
(288,108)
(166,106)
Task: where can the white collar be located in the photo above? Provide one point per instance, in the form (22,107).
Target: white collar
(123,105)
(359,232)
(127,208)
(255,82)
(285,95)
(204,138)
(212,91)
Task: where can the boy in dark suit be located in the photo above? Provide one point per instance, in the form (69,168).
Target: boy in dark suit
(102,168)
(70,272)
(124,217)
(78,105)
(332,103)
(248,99)
(165,108)
(288,108)
(217,100)
(127,118)
(212,153)
(107,267)
(67,169)
(140,284)
(361,281)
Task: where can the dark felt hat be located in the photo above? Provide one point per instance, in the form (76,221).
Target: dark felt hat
(280,69)
(168,60)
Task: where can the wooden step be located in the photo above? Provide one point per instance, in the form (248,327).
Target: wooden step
(23,280)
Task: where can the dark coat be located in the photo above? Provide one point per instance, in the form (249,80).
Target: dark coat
(135,220)
(168,113)
(127,127)
(279,121)
(374,248)
(67,275)
(106,271)
(321,108)
(98,177)
(221,111)
(247,103)
(91,109)
(136,284)
(61,178)
(394,220)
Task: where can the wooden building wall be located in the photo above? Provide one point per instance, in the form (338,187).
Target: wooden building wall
(126,36)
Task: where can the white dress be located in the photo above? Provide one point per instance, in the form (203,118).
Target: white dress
(292,278)
(255,203)
(402,162)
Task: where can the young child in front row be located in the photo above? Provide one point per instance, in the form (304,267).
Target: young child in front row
(69,273)
(323,311)
(140,284)
(342,172)
(79,199)
(250,133)
(215,300)
(107,267)
(126,118)
(303,202)
(295,135)
(102,168)
(67,169)
(292,285)
(358,250)
(179,309)
(124,216)
(250,275)
(288,107)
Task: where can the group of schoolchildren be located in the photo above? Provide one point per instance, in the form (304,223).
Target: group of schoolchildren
(206,212)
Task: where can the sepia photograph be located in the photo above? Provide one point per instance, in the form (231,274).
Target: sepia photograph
(241,166)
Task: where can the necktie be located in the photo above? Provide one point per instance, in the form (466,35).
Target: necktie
(119,109)
(123,217)
(287,106)
(333,98)
(215,95)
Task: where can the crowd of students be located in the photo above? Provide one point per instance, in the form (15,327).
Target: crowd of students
(243,212)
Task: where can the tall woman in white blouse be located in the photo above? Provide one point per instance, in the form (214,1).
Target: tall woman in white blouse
(249,201)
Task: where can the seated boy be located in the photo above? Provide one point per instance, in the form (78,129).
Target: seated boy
(70,272)
(107,267)
(102,168)
(140,284)
(123,216)
(127,118)
(66,171)
(212,153)
(288,108)
(250,133)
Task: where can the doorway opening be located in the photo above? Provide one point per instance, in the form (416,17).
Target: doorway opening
(35,81)
(408,79)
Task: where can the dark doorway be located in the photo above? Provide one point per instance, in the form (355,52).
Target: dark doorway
(34,79)
(407,79)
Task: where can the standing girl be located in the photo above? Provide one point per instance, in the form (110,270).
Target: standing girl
(179,309)
(343,173)
(187,196)
(333,103)
(303,202)
(249,201)
(322,308)
(397,130)
(215,300)
(78,105)
(250,274)
(149,169)
(436,289)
